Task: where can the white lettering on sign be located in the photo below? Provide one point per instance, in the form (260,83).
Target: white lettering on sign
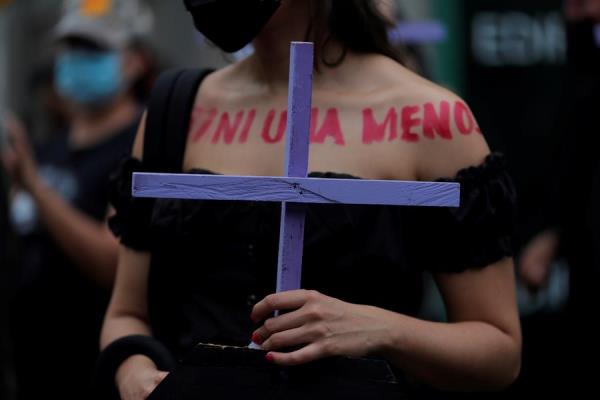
(518,39)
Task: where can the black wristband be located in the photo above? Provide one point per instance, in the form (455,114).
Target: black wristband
(120,350)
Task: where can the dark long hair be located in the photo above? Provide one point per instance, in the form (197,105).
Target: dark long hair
(356,25)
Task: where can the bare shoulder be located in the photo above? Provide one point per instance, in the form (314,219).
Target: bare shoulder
(438,123)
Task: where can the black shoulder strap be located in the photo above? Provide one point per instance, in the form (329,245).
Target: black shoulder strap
(168,119)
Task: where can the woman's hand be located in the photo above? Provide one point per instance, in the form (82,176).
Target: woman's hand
(319,326)
(18,158)
(137,378)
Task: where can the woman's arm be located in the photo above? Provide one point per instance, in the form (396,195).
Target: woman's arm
(482,339)
(480,347)
(127,314)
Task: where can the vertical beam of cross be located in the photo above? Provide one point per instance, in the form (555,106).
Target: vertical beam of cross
(291,239)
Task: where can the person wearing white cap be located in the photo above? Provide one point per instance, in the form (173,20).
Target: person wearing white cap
(60,203)
(94,67)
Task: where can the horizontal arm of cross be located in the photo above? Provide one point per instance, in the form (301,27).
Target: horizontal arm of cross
(296,190)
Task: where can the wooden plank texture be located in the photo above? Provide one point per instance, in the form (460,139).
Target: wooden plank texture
(296,190)
(291,234)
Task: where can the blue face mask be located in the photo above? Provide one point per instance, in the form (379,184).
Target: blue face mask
(88,78)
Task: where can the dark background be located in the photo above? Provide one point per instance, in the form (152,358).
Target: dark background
(516,53)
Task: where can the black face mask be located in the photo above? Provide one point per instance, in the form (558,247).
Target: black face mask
(231,24)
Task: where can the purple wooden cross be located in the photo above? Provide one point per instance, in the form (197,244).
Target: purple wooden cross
(295,190)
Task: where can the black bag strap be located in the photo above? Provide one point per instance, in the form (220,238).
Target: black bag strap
(168,119)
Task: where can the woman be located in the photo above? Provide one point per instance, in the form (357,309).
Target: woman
(372,119)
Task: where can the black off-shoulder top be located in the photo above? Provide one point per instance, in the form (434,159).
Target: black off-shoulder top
(212,261)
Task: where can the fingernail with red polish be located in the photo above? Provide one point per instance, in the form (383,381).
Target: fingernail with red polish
(269,357)
(256,339)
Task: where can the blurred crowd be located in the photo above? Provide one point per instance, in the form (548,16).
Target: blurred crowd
(58,257)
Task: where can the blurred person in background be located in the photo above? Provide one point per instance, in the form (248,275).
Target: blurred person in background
(59,197)
(573,223)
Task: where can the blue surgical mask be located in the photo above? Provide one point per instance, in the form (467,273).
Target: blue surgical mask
(88,78)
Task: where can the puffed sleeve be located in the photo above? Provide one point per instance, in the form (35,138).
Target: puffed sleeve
(132,221)
(478,233)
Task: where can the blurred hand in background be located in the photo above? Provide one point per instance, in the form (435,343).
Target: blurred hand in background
(536,259)
(581,9)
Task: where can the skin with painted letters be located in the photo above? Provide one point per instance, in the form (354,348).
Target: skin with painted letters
(433,121)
